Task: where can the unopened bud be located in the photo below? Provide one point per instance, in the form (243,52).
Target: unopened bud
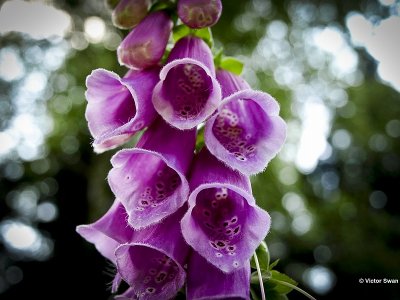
(128,13)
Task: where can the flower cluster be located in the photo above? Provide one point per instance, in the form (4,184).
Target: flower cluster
(181,215)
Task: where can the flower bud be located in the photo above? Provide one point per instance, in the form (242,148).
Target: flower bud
(128,13)
(199,13)
(145,45)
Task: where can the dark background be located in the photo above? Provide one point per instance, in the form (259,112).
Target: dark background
(335,212)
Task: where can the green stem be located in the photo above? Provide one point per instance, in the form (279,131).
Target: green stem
(293,287)
(260,279)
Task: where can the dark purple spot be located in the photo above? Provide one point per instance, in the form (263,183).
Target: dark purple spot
(209,225)
(152,271)
(220,244)
(151,290)
(161,276)
(236,230)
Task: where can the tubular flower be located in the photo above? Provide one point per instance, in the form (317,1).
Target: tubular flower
(223,223)
(188,92)
(162,245)
(128,13)
(216,284)
(150,179)
(108,233)
(199,13)
(144,46)
(128,295)
(118,108)
(246,132)
(152,262)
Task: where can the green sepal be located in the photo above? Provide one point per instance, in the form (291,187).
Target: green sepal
(200,139)
(181,31)
(162,5)
(218,55)
(232,65)
(205,34)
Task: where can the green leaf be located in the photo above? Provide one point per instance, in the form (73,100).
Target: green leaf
(263,257)
(232,64)
(270,292)
(273,265)
(180,31)
(273,282)
(280,288)
(265,275)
